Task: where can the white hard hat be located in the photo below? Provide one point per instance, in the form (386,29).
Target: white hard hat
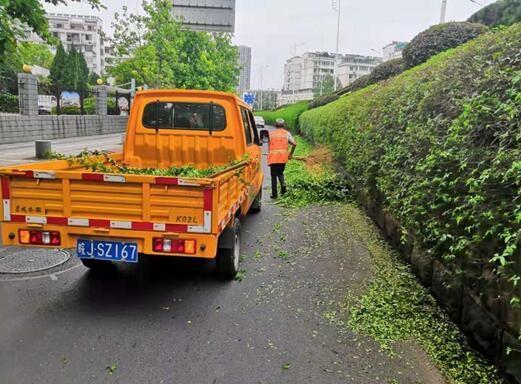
(280,123)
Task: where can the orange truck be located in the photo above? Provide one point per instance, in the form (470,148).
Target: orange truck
(117,217)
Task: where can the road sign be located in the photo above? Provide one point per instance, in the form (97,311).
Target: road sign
(249,98)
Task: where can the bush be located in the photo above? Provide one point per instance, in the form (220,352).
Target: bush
(439,38)
(289,113)
(439,147)
(381,72)
(504,12)
(8,103)
(323,100)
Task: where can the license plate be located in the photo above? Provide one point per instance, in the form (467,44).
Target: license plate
(107,250)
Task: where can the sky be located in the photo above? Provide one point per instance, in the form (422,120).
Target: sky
(272,28)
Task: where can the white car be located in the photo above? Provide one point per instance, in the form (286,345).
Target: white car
(259,121)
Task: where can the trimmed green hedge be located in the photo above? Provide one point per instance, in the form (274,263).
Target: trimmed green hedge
(503,12)
(289,113)
(439,147)
(439,38)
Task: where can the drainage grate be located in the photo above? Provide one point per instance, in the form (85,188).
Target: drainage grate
(28,260)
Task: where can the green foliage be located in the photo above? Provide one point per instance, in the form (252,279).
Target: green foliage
(35,54)
(439,38)
(57,70)
(396,307)
(16,15)
(439,148)
(323,100)
(381,72)
(503,12)
(100,161)
(327,85)
(157,51)
(93,78)
(8,103)
(289,113)
(306,186)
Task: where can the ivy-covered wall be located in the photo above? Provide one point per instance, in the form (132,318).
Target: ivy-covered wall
(439,149)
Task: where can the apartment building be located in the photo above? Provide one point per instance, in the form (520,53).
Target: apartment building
(304,75)
(81,31)
(393,50)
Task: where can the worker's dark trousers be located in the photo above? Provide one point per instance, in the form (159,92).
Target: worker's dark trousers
(277,172)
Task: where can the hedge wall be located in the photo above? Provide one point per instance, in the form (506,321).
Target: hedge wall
(439,147)
(290,113)
(439,38)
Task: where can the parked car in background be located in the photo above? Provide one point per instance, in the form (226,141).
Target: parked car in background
(45,104)
(259,121)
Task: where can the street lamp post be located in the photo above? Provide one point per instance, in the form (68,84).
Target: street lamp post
(337,6)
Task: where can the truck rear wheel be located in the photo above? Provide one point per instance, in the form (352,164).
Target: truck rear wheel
(229,251)
(256,206)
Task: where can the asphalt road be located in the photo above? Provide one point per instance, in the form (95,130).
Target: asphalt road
(18,153)
(186,326)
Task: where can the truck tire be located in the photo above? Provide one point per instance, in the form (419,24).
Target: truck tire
(229,251)
(256,206)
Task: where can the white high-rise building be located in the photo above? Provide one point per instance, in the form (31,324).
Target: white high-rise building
(304,76)
(81,31)
(352,67)
(245,68)
(206,15)
(394,50)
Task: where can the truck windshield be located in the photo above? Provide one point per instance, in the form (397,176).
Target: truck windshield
(195,116)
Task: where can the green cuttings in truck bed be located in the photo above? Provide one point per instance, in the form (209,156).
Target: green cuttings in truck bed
(103,163)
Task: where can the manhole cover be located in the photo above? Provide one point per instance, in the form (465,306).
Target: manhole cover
(33,260)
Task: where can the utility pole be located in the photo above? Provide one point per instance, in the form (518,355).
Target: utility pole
(443,11)
(337,6)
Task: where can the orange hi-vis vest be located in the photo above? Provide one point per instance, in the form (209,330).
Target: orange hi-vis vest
(279,153)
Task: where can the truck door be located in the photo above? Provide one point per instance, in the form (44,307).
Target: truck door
(253,149)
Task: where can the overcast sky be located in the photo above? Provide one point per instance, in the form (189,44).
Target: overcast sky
(273,27)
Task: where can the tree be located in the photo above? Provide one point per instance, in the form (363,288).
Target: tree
(35,54)
(504,12)
(156,50)
(93,78)
(325,86)
(57,73)
(18,15)
(82,87)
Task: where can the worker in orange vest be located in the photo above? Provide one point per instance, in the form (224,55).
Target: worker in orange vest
(279,155)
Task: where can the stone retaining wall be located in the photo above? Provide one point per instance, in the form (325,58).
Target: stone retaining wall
(20,128)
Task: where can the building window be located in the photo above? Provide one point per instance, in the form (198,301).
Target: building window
(58,25)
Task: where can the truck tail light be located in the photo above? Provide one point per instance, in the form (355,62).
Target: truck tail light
(39,237)
(186,247)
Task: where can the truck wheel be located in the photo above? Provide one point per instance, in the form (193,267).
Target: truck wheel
(256,206)
(229,251)
(97,265)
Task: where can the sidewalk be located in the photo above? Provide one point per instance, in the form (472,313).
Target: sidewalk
(19,153)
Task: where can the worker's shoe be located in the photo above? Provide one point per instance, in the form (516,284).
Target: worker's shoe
(283,191)
(274,197)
